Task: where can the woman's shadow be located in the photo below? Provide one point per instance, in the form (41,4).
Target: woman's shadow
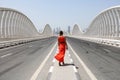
(70,64)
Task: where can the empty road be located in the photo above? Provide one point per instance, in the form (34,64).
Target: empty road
(31,61)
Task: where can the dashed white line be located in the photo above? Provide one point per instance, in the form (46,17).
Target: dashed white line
(107,50)
(69,55)
(35,75)
(75,69)
(53,60)
(91,75)
(51,69)
(57,50)
(71,60)
(6,55)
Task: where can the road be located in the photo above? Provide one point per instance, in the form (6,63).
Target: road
(20,62)
(32,59)
(102,60)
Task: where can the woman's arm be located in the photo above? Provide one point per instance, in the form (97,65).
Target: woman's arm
(66,44)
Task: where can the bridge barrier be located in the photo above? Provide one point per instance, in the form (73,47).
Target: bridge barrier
(4,44)
(110,42)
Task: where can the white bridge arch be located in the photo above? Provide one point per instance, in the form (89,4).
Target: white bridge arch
(14,24)
(106,24)
(47,31)
(77,31)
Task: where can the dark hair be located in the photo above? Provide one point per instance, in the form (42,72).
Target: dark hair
(61,33)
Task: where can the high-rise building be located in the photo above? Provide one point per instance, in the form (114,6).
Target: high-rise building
(69,29)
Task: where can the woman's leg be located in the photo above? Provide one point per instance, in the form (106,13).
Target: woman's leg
(59,63)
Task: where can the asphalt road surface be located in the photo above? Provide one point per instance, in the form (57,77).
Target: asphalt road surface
(102,60)
(22,61)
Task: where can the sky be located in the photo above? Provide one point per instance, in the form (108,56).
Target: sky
(60,13)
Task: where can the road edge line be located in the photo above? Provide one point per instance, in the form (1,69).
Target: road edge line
(91,75)
(35,75)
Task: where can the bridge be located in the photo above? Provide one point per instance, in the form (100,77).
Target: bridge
(26,54)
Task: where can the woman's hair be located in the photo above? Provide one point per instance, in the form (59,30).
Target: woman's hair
(61,33)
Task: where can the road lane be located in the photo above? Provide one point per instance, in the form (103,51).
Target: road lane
(21,62)
(35,75)
(102,60)
(24,60)
(91,75)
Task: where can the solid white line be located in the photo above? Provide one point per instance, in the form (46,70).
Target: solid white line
(6,55)
(51,69)
(35,75)
(91,75)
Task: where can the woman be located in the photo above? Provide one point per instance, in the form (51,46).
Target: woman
(62,46)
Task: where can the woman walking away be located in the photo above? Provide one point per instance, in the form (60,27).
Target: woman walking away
(62,46)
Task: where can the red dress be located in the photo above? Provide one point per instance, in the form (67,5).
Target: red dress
(62,47)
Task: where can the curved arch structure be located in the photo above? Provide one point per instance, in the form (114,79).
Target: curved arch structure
(47,30)
(106,24)
(14,24)
(76,31)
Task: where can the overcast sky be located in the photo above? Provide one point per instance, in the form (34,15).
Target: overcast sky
(60,13)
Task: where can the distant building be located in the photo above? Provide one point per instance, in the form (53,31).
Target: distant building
(69,29)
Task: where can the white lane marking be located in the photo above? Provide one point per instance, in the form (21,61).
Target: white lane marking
(91,75)
(51,69)
(57,50)
(107,50)
(71,60)
(69,55)
(6,55)
(35,75)
(53,60)
(75,69)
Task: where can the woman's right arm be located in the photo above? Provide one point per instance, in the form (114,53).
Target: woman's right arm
(66,44)
(58,41)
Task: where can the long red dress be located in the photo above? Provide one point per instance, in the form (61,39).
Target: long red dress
(62,47)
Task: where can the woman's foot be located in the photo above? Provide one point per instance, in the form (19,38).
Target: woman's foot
(63,63)
(59,64)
